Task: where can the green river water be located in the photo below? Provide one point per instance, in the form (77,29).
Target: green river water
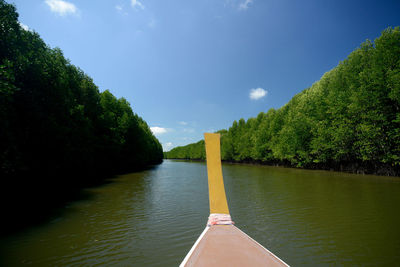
(152,218)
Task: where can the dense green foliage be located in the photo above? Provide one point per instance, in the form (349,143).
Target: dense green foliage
(191,151)
(350,116)
(54,120)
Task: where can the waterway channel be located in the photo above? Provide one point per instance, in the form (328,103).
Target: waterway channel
(153,217)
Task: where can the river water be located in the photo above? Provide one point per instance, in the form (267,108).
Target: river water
(152,218)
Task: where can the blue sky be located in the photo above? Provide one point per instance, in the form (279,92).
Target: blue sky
(189,67)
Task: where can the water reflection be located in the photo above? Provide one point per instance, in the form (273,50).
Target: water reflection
(152,218)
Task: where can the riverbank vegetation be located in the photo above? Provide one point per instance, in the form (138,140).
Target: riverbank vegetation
(349,120)
(56,128)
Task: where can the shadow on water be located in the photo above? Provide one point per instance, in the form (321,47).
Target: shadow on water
(307,218)
(26,203)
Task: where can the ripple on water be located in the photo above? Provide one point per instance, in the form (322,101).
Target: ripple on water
(152,218)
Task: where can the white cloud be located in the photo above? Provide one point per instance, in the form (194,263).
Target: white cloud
(62,8)
(23,26)
(258,93)
(167,146)
(245,5)
(158,130)
(136,3)
(118,7)
(183,123)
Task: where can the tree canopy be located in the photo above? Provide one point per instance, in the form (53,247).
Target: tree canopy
(53,119)
(350,117)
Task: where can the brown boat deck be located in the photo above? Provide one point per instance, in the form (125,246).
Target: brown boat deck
(226,245)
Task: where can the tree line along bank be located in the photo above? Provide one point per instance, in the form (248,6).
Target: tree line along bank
(57,130)
(349,120)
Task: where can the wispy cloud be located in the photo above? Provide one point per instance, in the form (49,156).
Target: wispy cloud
(152,23)
(23,26)
(167,146)
(245,5)
(257,93)
(137,4)
(61,7)
(210,130)
(120,9)
(158,130)
(183,123)
(188,130)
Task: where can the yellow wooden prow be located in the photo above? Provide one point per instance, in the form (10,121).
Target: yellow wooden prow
(216,190)
(221,243)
